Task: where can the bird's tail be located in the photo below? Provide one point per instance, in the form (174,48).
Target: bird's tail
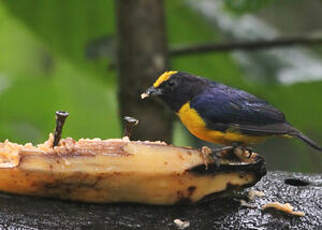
(307,140)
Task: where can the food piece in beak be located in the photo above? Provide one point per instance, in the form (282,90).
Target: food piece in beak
(144,95)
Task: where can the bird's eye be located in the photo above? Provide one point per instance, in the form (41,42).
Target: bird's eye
(171,83)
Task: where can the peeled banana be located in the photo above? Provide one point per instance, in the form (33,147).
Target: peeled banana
(120,170)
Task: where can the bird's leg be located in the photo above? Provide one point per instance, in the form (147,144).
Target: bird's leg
(213,154)
(250,151)
(221,152)
(222,149)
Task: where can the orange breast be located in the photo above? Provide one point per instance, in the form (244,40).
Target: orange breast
(196,125)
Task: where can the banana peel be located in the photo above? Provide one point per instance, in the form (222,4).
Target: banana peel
(120,170)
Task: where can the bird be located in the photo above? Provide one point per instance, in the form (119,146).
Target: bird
(220,114)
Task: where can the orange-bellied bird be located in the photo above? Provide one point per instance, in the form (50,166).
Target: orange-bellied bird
(217,113)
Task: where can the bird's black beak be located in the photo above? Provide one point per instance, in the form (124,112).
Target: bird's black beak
(151,92)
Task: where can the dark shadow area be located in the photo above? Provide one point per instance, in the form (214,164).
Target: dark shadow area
(296,182)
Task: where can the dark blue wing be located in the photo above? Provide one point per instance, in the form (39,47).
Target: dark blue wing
(225,108)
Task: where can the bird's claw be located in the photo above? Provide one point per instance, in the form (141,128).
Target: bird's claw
(209,154)
(240,151)
(205,154)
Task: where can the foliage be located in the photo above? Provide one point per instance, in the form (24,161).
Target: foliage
(43,63)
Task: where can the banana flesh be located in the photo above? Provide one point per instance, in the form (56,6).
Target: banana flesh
(120,170)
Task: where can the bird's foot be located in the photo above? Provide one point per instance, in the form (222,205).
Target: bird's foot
(205,155)
(242,151)
(213,155)
(235,151)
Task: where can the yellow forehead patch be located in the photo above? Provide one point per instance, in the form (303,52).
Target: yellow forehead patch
(165,76)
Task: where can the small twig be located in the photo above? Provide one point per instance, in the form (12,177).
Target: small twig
(60,120)
(244,45)
(130,123)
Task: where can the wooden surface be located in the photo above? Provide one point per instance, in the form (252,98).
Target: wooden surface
(21,212)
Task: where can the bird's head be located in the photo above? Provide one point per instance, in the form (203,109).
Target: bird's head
(175,88)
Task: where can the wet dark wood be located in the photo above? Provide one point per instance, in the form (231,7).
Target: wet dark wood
(303,192)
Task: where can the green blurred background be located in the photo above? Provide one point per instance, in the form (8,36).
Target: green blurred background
(58,55)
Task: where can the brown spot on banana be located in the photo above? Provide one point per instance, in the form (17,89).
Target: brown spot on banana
(119,170)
